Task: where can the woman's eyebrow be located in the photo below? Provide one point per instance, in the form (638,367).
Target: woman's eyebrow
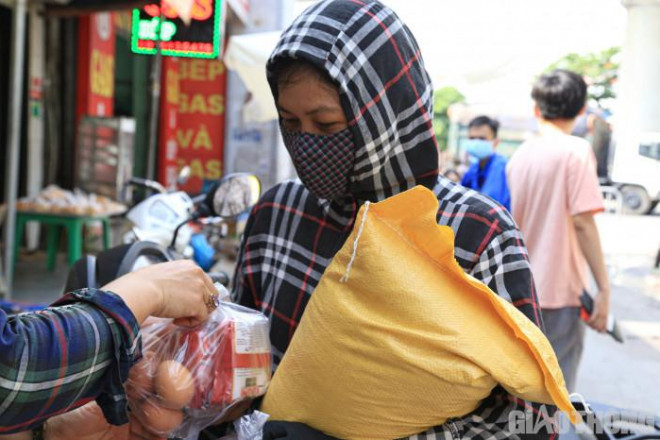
(324,109)
(320,109)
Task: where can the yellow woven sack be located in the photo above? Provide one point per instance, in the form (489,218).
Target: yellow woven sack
(397,338)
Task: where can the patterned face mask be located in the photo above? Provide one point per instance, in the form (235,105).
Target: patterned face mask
(323,162)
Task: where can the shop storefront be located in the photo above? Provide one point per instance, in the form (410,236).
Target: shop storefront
(87,62)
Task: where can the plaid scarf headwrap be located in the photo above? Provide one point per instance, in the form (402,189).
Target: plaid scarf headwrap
(385,91)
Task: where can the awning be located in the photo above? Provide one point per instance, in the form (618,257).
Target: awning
(247,55)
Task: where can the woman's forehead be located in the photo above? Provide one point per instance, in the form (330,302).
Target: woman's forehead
(307,93)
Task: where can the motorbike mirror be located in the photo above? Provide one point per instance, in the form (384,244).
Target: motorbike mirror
(234,195)
(184,175)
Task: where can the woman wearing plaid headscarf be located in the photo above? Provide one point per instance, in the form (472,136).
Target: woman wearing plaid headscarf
(355,105)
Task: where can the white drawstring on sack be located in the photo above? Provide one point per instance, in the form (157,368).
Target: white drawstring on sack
(580,398)
(355,243)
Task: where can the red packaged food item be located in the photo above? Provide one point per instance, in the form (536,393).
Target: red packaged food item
(201,373)
(243,368)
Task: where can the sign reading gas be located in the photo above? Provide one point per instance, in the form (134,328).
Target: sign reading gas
(160,21)
(192,121)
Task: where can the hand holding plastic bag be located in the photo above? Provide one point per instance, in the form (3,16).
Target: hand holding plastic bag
(189,379)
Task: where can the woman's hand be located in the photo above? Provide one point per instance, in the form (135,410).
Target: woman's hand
(178,289)
(88,423)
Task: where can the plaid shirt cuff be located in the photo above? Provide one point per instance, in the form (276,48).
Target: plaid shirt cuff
(127,342)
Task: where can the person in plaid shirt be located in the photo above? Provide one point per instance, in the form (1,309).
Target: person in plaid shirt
(355,105)
(81,348)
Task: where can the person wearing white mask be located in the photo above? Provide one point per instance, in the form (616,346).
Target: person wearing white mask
(487,174)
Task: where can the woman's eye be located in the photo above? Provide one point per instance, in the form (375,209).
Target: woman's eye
(290,123)
(329,126)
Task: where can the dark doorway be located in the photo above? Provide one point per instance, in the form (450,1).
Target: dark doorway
(5,54)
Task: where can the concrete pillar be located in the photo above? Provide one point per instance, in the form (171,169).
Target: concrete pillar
(35,116)
(637,123)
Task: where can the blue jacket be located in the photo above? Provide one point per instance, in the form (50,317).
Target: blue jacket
(492,178)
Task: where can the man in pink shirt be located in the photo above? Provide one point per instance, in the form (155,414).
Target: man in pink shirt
(554,196)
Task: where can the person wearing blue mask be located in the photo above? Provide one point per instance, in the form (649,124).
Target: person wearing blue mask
(487,174)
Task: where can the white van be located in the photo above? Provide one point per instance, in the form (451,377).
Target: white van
(636,173)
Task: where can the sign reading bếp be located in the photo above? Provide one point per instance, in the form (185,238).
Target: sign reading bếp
(201,39)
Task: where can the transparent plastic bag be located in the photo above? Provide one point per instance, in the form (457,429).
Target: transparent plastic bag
(189,379)
(248,427)
(251,426)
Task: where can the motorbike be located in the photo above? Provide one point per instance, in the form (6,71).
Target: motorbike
(605,422)
(234,195)
(156,217)
(159,217)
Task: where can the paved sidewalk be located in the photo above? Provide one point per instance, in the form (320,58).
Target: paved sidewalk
(628,375)
(33,283)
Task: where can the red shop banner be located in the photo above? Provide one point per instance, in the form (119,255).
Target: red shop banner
(168,166)
(200,131)
(96,65)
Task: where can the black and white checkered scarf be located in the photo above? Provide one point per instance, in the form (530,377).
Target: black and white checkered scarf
(385,91)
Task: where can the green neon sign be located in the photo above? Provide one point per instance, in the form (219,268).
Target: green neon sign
(148,29)
(199,40)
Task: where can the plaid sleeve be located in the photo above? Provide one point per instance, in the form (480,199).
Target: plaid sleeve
(500,416)
(490,247)
(241,293)
(504,267)
(78,350)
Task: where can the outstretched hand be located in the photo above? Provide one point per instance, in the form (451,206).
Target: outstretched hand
(177,289)
(88,423)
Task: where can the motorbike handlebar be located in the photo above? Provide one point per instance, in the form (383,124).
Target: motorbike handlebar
(143,183)
(146,183)
(199,199)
